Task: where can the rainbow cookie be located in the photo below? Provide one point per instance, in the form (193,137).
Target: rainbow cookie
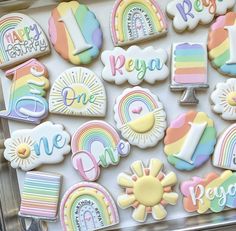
(22,39)
(136,20)
(30,148)
(189,70)
(224,155)
(88,206)
(214,192)
(147,190)
(224,99)
(27,101)
(187,14)
(190,140)
(221,44)
(140,117)
(75,32)
(135,65)
(40,195)
(95,144)
(78,92)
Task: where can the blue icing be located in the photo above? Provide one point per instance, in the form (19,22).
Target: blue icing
(229,69)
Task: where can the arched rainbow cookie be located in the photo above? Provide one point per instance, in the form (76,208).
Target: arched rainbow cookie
(224,155)
(140,117)
(95,144)
(136,20)
(147,190)
(221,44)
(75,32)
(88,206)
(214,192)
(190,140)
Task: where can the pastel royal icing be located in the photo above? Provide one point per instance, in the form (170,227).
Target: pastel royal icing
(214,192)
(30,148)
(78,92)
(140,117)
(135,65)
(136,20)
(190,140)
(75,32)
(88,206)
(40,195)
(148,190)
(187,14)
(27,101)
(95,144)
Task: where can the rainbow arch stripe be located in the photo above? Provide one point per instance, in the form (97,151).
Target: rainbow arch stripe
(123,16)
(94,131)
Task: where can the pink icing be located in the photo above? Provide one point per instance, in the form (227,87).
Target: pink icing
(179,122)
(190,78)
(219,23)
(52,30)
(184,187)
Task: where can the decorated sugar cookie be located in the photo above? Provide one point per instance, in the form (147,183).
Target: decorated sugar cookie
(75,32)
(190,140)
(29,148)
(214,192)
(221,44)
(224,99)
(147,190)
(135,65)
(40,195)
(189,70)
(78,92)
(136,20)
(27,101)
(187,14)
(224,155)
(140,117)
(96,144)
(88,206)
(21,39)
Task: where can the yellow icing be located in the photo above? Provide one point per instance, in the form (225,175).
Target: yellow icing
(124,180)
(137,168)
(23,151)
(231,98)
(159,212)
(218,51)
(169,180)
(189,64)
(125,200)
(171,197)
(139,213)
(155,167)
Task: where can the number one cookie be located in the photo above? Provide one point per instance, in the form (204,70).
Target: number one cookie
(232,44)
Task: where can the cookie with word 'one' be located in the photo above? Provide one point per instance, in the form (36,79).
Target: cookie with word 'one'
(21,39)
(214,192)
(187,14)
(136,20)
(88,206)
(78,92)
(27,101)
(96,144)
(29,148)
(135,65)
(223,99)
(75,32)
(147,190)
(190,140)
(221,44)
(140,117)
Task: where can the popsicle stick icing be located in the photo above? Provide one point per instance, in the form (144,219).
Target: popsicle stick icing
(190,140)
(96,144)
(88,206)
(40,195)
(27,101)
(75,32)
(136,20)
(78,92)
(187,14)
(135,65)
(21,39)
(29,148)
(140,117)
(225,152)
(214,192)
(148,190)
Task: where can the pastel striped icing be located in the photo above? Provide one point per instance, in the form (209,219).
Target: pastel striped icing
(40,195)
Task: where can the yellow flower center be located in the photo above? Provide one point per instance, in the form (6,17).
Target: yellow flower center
(148,191)
(23,151)
(231,99)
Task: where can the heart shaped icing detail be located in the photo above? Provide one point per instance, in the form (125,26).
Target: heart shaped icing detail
(137,110)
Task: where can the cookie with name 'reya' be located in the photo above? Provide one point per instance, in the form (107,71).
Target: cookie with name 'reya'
(21,39)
